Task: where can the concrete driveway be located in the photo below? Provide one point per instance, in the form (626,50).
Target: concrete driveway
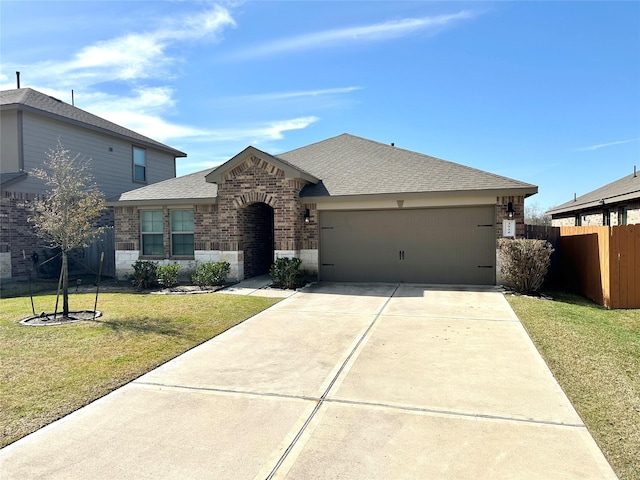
(354,381)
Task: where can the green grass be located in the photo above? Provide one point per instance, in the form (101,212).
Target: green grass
(48,372)
(595,356)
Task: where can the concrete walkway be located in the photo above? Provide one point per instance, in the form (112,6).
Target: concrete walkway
(338,381)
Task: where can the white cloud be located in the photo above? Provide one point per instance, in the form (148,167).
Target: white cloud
(610,144)
(259,133)
(379,31)
(139,57)
(294,94)
(134,56)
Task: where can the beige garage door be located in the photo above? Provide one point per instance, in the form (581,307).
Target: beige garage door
(434,245)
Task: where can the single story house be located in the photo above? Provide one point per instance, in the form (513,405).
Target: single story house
(351,209)
(617,203)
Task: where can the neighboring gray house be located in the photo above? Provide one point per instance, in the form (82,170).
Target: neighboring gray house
(352,209)
(31,124)
(617,203)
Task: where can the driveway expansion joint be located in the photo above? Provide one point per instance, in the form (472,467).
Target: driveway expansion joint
(330,386)
(226,390)
(454,413)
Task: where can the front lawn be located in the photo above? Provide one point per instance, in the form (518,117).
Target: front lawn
(595,356)
(48,372)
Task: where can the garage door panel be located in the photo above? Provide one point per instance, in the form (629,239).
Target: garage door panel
(447,245)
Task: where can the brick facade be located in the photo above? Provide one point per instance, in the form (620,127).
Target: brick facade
(259,216)
(502,204)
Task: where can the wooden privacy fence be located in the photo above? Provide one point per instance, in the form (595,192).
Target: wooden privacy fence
(106,244)
(551,235)
(603,262)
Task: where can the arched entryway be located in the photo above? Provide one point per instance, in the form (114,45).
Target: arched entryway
(256,227)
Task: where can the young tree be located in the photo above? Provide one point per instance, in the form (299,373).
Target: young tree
(66,215)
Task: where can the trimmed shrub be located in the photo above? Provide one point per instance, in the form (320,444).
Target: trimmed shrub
(524,263)
(145,274)
(168,275)
(211,274)
(285,273)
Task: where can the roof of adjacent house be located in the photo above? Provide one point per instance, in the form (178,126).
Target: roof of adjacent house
(32,100)
(174,190)
(11,177)
(622,190)
(350,165)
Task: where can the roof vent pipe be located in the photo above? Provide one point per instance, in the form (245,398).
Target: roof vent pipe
(574,196)
(634,171)
(18,79)
(393,144)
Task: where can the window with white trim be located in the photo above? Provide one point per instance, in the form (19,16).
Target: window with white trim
(151,226)
(182,233)
(139,164)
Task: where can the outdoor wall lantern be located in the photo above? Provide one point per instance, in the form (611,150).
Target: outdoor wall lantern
(307,215)
(510,211)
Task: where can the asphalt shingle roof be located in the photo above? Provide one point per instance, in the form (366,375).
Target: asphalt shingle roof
(350,165)
(193,186)
(625,189)
(33,99)
(10,177)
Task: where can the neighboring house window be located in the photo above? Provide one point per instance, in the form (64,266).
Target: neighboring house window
(182,232)
(139,164)
(606,218)
(622,216)
(151,226)
(578,220)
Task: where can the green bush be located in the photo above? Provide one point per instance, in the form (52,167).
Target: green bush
(285,273)
(524,263)
(211,274)
(145,274)
(168,275)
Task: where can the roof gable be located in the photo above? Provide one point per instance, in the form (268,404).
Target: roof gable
(622,190)
(218,175)
(42,104)
(350,165)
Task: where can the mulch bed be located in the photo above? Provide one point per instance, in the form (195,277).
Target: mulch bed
(49,319)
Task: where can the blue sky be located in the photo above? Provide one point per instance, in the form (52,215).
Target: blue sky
(544,92)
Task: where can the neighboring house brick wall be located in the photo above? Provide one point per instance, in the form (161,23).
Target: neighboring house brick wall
(569,221)
(18,238)
(596,217)
(17,234)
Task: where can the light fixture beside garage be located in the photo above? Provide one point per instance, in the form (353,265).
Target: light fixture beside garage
(510,211)
(307,215)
